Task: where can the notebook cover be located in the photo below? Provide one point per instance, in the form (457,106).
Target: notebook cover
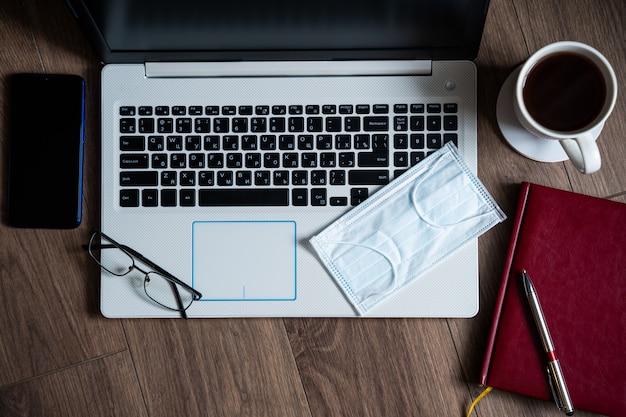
(574,250)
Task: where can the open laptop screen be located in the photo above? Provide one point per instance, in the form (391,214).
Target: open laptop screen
(140,30)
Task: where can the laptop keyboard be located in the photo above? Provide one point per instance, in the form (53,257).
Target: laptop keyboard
(279,155)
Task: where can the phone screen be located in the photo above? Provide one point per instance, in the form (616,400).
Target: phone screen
(46,150)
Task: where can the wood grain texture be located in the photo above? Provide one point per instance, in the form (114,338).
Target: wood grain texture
(377,367)
(102,387)
(59,357)
(216,367)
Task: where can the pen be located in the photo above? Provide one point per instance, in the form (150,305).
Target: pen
(555,373)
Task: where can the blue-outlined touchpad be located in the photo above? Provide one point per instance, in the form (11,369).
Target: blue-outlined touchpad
(245,260)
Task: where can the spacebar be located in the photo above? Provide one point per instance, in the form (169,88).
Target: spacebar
(244,197)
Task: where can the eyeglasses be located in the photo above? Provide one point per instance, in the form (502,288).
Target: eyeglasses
(160,286)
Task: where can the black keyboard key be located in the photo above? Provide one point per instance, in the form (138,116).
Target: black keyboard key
(134,161)
(244,197)
(179,110)
(132,143)
(380,108)
(451,137)
(346,109)
(434,141)
(212,110)
(149,198)
(139,178)
(165,125)
(168,198)
(312,109)
(358,195)
(368,177)
(433,123)
(450,123)
(229,110)
(183,125)
(380,142)
(329,109)
(450,108)
(318,197)
(145,110)
(193,143)
(127,111)
(258,125)
(299,197)
(146,125)
(362,108)
(376,123)
(156,143)
(294,109)
(245,110)
(220,125)
(373,159)
(333,124)
(314,124)
(279,110)
(339,201)
(187,198)
(418,141)
(296,124)
(127,125)
(305,142)
(433,108)
(277,124)
(417,123)
(240,125)
(400,108)
(262,110)
(417,108)
(174,143)
(337,177)
(162,110)
(129,198)
(352,124)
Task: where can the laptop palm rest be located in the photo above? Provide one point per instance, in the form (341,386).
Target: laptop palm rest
(244,260)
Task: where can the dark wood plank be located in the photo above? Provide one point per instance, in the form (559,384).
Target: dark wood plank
(216,367)
(103,387)
(376,367)
(48,287)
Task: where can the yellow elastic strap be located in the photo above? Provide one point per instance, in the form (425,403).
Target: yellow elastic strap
(486,391)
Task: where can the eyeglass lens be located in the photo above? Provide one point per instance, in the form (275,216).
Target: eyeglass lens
(159,288)
(110,256)
(115,260)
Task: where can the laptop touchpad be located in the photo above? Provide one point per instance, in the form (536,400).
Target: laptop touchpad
(245,260)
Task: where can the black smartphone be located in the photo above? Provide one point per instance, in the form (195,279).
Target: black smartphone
(46,134)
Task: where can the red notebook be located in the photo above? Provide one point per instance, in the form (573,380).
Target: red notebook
(574,250)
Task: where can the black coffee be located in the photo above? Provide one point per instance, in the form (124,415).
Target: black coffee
(564,92)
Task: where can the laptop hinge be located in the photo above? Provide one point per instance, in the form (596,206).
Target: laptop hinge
(287,68)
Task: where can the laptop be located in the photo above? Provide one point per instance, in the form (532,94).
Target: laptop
(233,132)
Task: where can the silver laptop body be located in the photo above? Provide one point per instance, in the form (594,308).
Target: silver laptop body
(235,172)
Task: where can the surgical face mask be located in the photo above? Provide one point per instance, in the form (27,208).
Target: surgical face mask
(406,228)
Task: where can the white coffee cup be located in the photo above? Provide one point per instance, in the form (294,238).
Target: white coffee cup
(558,95)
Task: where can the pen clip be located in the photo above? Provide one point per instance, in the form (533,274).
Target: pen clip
(555,392)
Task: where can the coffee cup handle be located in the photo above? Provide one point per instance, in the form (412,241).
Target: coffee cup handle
(583,152)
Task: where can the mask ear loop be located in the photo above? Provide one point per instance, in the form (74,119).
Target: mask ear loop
(394,275)
(429,172)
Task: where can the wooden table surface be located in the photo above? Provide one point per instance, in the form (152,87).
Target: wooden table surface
(60,357)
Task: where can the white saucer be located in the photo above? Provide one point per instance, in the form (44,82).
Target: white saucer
(524,142)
